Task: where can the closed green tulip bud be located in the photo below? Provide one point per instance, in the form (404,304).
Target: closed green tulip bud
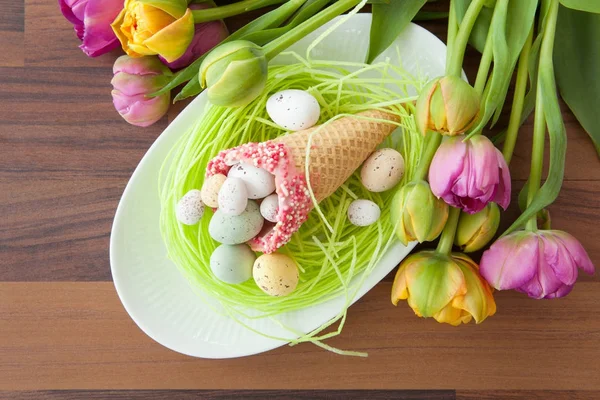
(447,105)
(234,73)
(474,231)
(417,214)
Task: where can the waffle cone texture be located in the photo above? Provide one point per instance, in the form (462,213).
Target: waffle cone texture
(337,149)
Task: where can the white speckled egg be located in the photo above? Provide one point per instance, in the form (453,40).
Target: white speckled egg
(382,170)
(190,208)
(270,207)
(276,274)
(232,263)
(293,109)
(363,212)
(236,229)
(233,197)
(259,182)
(210,190)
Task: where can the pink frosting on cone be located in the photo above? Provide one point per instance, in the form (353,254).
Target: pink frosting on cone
(290,185)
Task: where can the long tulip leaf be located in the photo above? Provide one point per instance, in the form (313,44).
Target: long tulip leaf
(590,6)
(577,63)
(556,132)
(388,22)
(269,20)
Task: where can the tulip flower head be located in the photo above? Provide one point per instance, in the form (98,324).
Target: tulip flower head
(234,73)
(206,36)
(91,20)
(447,105)
(470,174)
(155,27)
(447,288)
(417,214)
(542,264)
(474,231)
(134,79)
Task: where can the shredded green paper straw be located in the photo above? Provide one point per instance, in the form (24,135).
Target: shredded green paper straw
(334,256)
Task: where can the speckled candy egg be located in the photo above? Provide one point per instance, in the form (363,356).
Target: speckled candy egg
(382,170)
(259,182)
(236,229)
(276,274)
(232,263)
(270,207)
(293,109)
(210,190)
(233,197)
(363,212)
(190,208)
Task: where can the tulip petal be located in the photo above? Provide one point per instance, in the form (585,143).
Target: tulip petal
(511,261)
(172,41)
(561,292)
(544,281)
(175,8)
(433,284)
(73,10)
(446,168)
(478,300)
(139,110)
(98,37)
(576,250)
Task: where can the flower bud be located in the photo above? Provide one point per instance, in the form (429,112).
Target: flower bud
(446,288)
(447,105)
(474,231)
(134,79)
(417,214)
(234,73)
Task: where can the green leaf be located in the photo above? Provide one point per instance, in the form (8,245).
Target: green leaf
(388,22)
(577,63)
(269,20)
(510,26)
(591,6)
(557,134)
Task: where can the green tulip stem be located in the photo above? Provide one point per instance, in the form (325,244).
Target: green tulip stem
(447,236)
(240,7)
(278,45)
(537,154)
(433,141)
(516,112)
(484,66)
(459,45)
(452,30)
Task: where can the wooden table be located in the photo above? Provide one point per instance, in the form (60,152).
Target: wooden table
(65,157)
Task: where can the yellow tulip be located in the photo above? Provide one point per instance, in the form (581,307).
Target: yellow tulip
(155,27)
(446,288)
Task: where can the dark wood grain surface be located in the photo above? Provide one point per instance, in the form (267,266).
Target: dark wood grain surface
(65,158)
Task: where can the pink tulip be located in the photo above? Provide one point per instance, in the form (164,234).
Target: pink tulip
(206,36)
(542,264)
(134,79)
(91,20)
(470,174)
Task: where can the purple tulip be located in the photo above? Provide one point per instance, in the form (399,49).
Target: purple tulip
(206,36)
(470,174)
(91,20)
(134,79)
(542,264)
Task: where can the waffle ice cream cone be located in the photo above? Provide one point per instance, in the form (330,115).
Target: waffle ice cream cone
(337,149)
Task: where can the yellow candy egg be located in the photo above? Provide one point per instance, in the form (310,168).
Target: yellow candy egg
(276,274)
(210,190)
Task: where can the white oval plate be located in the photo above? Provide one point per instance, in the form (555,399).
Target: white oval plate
(158,298)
